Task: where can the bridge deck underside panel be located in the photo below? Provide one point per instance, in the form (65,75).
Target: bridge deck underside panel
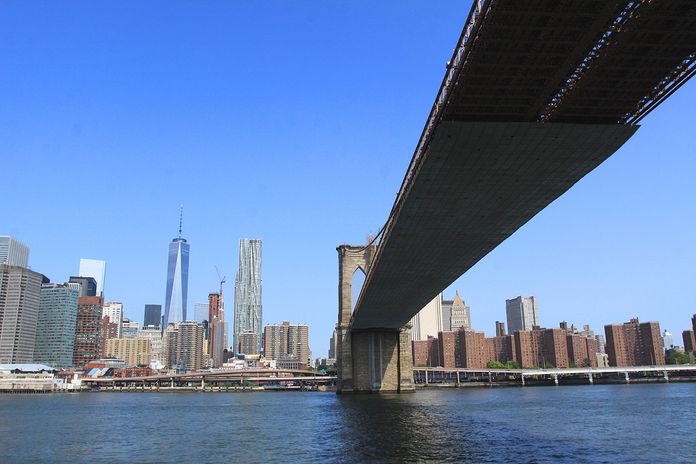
(478,183)
(606,57)
(523,52)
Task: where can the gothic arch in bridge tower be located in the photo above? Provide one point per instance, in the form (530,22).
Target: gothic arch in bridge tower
(350,260)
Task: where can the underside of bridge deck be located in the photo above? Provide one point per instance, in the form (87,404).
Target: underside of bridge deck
(477,184)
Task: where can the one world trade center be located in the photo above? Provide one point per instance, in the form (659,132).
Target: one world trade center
(177,279)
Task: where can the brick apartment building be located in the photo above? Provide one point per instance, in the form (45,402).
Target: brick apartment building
(533,348)
(634,343)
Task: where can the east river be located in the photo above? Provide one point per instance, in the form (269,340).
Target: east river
(601,423)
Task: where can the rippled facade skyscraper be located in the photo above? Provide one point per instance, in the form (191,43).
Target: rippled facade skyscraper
(247,293)
(177,280)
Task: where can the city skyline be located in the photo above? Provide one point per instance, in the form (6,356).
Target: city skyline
(604,238)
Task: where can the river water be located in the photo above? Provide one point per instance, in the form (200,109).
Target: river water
(601,423)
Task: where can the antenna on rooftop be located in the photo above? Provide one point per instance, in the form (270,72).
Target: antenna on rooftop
(181,218)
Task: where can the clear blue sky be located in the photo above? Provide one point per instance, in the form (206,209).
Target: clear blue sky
(293,122)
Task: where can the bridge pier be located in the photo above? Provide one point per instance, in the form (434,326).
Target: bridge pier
(371,360)
(375,361)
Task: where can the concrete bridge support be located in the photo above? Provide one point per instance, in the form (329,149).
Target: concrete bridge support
(373,360)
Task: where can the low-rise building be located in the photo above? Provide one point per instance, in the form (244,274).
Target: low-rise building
(26,377)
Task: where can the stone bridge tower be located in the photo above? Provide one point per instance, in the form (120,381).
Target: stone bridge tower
(367,360)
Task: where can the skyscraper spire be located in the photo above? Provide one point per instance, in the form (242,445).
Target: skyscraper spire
(181,218)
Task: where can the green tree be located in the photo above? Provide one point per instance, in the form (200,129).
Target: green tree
(572,364)
(586,362)
(495,365)
(548,365)
(512,365)
(677,357)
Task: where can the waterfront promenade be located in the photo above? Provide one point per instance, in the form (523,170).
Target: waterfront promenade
(439,376)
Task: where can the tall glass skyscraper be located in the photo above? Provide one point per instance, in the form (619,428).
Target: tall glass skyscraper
(153,315)
(55,329)
(177,280)
(247,293)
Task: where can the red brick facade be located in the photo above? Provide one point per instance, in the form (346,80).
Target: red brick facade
(634,343)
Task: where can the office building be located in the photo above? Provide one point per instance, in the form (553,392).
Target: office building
(153,333)
(88,344)
(460,314)
(20,296)
(248,310)
(153,315)
(13,252)
(634,343)
(134,351)
(500,329)
(522,313)
(446,309)
(55,329)
(88,285)
(693,323)
(177,280)
(200,312)
(586,332)
(667,340)
(332,345)
(96,269)
(129,329)
(114,311)
(601,343)
(428,322)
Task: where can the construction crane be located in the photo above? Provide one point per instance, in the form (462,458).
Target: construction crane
(222,279)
